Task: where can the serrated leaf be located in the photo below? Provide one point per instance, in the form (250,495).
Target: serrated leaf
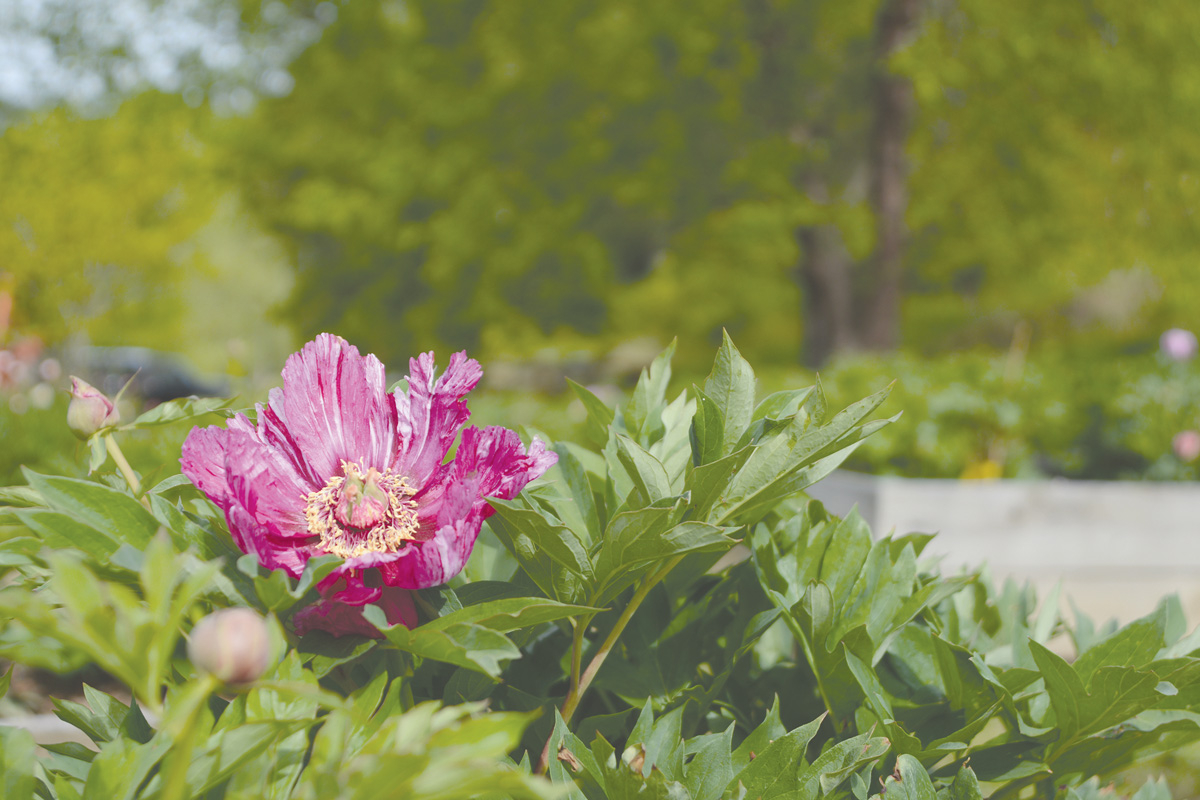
(775,771)
(731,386)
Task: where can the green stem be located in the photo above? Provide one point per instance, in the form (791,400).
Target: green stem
(580,687)
(131,478)
(581,625)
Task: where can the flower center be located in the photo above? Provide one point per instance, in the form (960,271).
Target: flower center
(362,512)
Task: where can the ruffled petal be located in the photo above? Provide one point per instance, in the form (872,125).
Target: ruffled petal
(488,463)
(265,483)
(430,416)
(335,407)
(497,460)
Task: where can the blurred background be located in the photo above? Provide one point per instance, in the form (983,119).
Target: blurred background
(993,203)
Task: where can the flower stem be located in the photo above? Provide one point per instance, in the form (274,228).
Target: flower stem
(131,478)
(579,687)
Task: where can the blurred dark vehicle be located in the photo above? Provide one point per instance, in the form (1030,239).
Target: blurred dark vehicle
(156,376)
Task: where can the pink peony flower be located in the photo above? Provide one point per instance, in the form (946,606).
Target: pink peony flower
(1186,445)
(1178,344)
(336,464)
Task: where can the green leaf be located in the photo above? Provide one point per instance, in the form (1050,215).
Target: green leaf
(774,772)
(711,767)
(62,532)
(910,782)
(23,496)
(770,729)
(731,387)
(466,645)
(707,434)
(647,472)
(528,535)
(1134,645)
(642,412)
(113,513)
(641,538)
(581,489)
(510,614)
(599,416)
(965,785)
(708,483)
(840,761)
(1064,687)
(17,757)
(178,410)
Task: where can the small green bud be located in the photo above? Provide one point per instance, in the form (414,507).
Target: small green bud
(89,410)
(232,644)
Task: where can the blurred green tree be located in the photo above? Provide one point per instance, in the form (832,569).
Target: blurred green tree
(1054,171)
(91,215)
(497,174)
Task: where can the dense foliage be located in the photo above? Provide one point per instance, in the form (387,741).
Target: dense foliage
(665,616)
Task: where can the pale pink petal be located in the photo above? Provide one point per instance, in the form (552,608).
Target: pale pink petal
(336,408)
(431,415)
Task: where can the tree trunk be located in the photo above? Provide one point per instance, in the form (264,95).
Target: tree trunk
(824,274)
(879,309)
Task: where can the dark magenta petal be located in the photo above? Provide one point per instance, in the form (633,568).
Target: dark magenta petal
(335,406)
(430,416)
(339,617)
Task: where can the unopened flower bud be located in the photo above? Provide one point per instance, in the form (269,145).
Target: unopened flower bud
(1178,344)
(89,410)
(233,644)
(1186,445)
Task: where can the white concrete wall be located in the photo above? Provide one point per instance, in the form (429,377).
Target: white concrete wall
(1116,547)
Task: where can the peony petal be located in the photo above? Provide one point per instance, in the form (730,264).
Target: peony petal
(431,415)
(202,460)
(497,460)
(336,408)
(438,560)
(265,483)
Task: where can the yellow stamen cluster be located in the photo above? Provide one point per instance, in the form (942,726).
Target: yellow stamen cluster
(396,525)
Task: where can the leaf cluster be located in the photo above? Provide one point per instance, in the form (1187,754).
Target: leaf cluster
(666,616)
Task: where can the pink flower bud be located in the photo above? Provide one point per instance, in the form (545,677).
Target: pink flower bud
(89,410)
(233,644)
(1186,445)
(1178,344)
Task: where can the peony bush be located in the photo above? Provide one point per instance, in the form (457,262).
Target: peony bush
(349,592)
